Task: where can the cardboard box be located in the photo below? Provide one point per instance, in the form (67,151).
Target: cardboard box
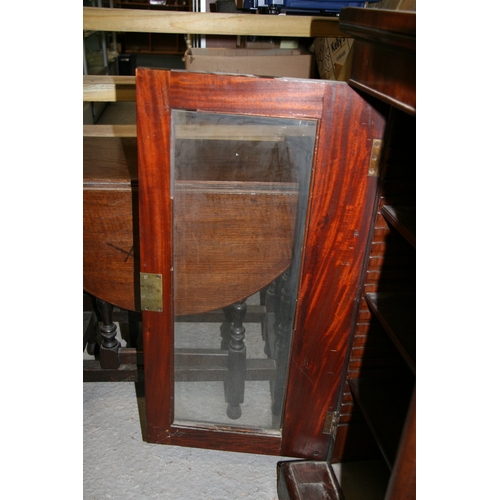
(332,57)
(266,62)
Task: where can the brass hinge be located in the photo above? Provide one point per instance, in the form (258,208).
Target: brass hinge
(373,168)
(151,285)
(331,423)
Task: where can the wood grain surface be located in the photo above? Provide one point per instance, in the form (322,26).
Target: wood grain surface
(340,204)
(208,23)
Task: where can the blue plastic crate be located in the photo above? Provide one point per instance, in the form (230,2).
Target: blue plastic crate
(301,6)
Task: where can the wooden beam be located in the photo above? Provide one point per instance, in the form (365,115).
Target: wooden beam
(208,23)
(109,131)
(108,88)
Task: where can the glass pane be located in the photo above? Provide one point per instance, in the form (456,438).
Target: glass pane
(240,191)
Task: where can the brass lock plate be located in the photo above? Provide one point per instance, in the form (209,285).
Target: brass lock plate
(151,285)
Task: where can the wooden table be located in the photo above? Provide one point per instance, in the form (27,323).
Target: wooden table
(210,274)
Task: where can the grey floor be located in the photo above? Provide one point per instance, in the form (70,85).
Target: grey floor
(120,464)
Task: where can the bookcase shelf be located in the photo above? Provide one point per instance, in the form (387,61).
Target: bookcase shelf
(396,313)
(403,219)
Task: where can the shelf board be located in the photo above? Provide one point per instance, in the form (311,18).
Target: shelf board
(208,23)
(403,219)
(154,52)
(108,88)
(397,313)
(384,404)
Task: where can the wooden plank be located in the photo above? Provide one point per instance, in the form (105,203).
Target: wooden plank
(108,88)
(403,219)
(109,131)
(384,67)
(212,365)
(216,132)
(254,314)
(92,372)
(208,23)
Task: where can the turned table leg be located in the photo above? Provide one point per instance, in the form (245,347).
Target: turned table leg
(235,384)
(109,348)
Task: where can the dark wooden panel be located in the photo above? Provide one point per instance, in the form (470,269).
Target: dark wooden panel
(110,253)
(109,159)
(222,218)
(384,54)
(92,372)
(110,220)
(249,96)
(220,437)
(307,480)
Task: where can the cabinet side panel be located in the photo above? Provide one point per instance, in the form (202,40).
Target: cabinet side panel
(390,267)
(341,203)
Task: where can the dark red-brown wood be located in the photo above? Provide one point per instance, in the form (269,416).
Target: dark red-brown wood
(384,54)
(307,480)
(111,242)
(110,220)
(341,203)
(341,200)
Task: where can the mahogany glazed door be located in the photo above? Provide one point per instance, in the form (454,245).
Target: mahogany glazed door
(255,197)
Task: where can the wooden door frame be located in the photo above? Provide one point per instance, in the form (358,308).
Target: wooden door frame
(342,196)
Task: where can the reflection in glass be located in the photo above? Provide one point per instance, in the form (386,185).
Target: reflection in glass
(240,190)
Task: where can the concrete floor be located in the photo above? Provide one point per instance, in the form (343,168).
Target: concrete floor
(119,464)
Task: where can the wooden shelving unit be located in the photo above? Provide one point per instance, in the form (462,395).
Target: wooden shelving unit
(396,313)
(382,371)
(384,403)
(403,219)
